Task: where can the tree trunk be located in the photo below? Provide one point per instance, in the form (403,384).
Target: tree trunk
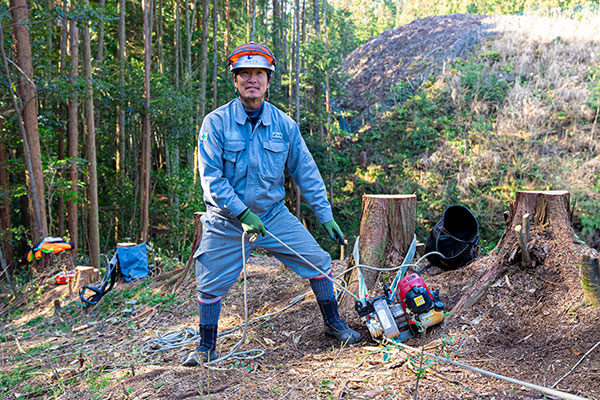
(316,10)
(85,276)
(73,135)
(297,60)
(147,133)
(215,58)
(227,30)
(60,206)
(188,43)
(387,228)
(252,19)
(197,238)
(548,210)
(92,192)
(120,134)
(276,35)
(328,107)
(291,68)
(203,56)
(100,57)
(28,111)
(159,37)
(100,53)
(5,220)
(297,90)
(177,43)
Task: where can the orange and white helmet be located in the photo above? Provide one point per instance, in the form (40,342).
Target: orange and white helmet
(251,55)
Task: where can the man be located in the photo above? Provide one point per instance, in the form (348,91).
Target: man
(244,149)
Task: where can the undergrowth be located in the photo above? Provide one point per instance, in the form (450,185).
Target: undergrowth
(517,114)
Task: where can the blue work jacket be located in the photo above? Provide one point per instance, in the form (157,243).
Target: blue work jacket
(241,167)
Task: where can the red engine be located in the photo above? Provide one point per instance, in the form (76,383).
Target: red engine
(415,297)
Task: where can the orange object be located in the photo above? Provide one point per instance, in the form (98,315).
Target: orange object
(49,245)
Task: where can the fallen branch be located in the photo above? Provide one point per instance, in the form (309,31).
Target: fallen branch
(146,375)
(550,391)
(146,311)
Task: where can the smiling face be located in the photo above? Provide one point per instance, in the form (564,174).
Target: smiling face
(252,84)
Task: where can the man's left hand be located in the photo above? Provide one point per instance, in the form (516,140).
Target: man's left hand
(334,231)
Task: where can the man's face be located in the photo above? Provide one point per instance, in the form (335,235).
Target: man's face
(252,84)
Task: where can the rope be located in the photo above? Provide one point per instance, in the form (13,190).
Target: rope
(175,339)
(543,389)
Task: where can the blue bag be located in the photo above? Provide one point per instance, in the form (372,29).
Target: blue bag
(133,262)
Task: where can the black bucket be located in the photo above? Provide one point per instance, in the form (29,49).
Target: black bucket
(456,236)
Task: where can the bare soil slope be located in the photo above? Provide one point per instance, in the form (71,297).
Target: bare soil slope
(409,54)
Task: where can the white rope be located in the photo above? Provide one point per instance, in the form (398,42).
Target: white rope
(314,267)
(175,339)
(576,364)
(543,389)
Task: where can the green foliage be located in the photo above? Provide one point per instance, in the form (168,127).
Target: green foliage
(479,84)
(18,374)
(140,294)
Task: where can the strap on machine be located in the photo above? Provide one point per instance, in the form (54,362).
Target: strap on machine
(107,284)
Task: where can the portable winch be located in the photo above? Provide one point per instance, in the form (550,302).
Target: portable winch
(413,309)
(406,309)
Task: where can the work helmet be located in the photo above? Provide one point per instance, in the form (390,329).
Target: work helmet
(251,55)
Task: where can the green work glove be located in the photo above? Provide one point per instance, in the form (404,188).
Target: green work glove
(334,231)
(252,223)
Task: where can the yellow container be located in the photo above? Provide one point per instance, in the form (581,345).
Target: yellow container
(431,318)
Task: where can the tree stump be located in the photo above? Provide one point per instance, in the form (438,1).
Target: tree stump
(589,274)
(85,276)
(387,228)
(548,210)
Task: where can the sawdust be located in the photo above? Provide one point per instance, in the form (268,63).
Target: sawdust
(530,325)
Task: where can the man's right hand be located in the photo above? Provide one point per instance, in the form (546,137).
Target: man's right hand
(251,223)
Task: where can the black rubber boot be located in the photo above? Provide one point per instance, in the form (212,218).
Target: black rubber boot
(206,352)
(335,325)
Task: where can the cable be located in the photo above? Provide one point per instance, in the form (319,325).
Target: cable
(543,389)
(313,266)
(175,339)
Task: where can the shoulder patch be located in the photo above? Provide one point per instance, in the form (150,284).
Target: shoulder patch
(203,136)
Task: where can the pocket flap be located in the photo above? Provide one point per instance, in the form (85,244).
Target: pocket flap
(275,147)
(234,145)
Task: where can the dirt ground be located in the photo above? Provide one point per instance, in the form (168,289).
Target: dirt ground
(530,325)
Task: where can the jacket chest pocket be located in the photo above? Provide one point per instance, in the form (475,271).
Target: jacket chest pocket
(234,162)
(273,159)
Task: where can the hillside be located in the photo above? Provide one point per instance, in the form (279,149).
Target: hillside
(473,108)
(519,112)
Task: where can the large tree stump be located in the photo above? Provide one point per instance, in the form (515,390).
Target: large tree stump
(85,276)
(589,274)
(387,228)
(548,210)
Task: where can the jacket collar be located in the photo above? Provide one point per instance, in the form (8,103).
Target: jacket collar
(240,116)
